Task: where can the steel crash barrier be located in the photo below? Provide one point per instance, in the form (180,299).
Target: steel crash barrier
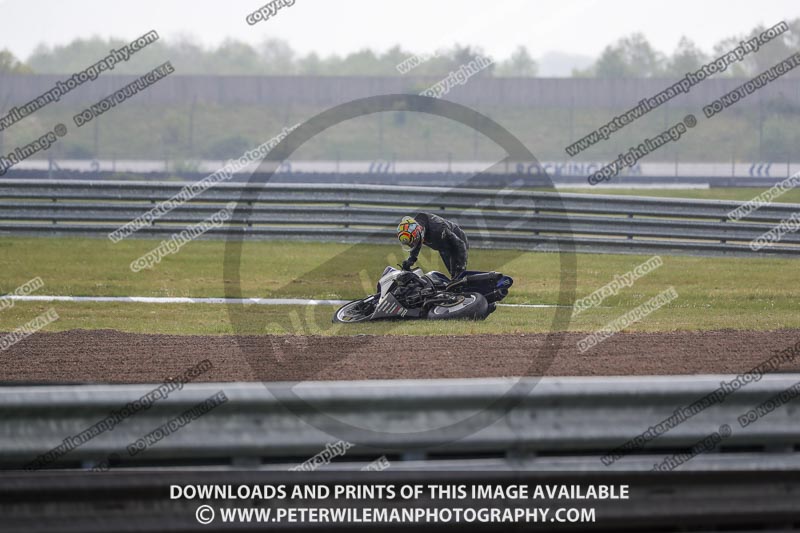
(575,430)
(528,220)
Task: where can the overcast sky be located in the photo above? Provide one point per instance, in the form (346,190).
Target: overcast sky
(342,26)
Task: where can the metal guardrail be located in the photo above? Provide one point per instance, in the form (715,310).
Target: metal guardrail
(542,221)
(438,431)
(83,502)
(545,424)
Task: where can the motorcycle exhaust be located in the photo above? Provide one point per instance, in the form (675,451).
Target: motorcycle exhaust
(496,295)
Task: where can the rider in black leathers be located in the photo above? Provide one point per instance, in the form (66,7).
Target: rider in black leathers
(440,234)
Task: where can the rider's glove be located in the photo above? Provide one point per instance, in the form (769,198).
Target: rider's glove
(407,264)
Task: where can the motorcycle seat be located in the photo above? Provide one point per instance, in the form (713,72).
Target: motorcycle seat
(475,276)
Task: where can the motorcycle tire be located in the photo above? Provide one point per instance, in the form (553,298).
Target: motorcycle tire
(471,306)
(350,313)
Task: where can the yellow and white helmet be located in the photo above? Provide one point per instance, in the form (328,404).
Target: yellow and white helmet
(409,233)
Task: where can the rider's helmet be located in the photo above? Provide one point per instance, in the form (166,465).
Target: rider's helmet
(409,233)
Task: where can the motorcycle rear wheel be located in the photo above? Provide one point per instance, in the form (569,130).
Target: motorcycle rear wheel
(469,305)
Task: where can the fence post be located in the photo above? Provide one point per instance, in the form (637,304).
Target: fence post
(191,126)
(96,139)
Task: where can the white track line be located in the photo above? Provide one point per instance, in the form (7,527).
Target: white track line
(176,300)
(534,306)
(168,300)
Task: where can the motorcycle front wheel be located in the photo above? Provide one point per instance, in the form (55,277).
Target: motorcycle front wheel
(355,311)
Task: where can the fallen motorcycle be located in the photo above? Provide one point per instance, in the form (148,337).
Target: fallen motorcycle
(415,294)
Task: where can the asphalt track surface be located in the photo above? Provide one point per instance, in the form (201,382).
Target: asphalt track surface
(91,356)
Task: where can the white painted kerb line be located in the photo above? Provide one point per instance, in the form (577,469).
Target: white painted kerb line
(179,300)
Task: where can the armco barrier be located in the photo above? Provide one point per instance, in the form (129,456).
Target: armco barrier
(549,424)
(552,431)
(540,221)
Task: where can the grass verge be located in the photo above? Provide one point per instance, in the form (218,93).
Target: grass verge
(714,293)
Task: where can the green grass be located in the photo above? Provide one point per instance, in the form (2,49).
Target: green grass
(713,293)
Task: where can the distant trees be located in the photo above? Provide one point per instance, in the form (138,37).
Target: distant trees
(768,55)
(630,56)
(686,58)
(10,64)
(634,57)
(520,64)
